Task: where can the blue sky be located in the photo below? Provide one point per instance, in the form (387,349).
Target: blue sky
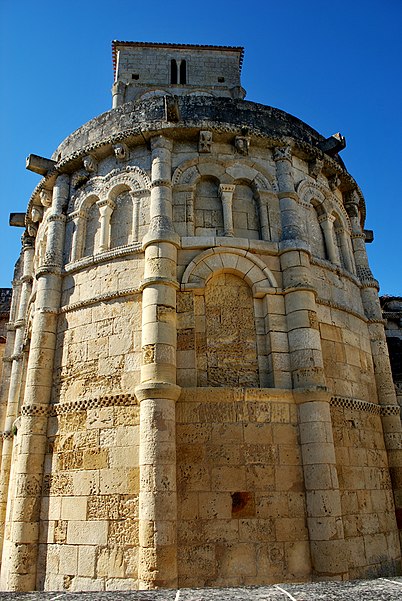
(335,65)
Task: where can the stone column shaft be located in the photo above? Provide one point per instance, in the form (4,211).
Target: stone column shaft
(323,501)
(263,200)
(78,219)
(105,209)
(226,193)
(16,377)
(158,392)
(390,418)
(345,249)
(327,224)
(19,573)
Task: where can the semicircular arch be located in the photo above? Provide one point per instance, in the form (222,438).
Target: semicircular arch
(227,260)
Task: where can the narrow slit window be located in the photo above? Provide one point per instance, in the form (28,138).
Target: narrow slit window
(173,71)
(183,71)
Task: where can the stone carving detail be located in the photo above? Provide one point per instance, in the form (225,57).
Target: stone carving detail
(315,168)
(90,163)
(282,153)
(148,354)
(205,141)
(32,229)
(79,178)
(45,197)
(358,405)
(121,151)
(36,213)
(132,176)
(334,182)
(242,144)
(224,345)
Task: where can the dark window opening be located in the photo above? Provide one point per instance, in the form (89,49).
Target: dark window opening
(221,79)
(178,71)
(183,72)
(173,71)
(135,76)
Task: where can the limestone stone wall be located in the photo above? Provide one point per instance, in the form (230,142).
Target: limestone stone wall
(241,502)
(372,541)
(198,388)
(89,508)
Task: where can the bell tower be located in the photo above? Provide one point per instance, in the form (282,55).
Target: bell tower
(145,69)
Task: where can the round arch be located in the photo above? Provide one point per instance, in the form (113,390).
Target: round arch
(228,260)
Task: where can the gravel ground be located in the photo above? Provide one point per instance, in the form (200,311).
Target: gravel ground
(382,589)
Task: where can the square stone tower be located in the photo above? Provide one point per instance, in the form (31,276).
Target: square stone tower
(143,70)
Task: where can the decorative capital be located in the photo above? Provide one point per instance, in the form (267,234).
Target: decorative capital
(161,142)
(105,204)
(226,191)
(27,241)
(352,199)
(326,218)
(121,151)
(334,182)
(79,178)
(205,141)
(315,167)
(282,153)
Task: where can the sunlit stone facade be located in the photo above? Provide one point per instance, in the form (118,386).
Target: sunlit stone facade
(199,391)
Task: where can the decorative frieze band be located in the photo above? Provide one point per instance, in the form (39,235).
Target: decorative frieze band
(103,257)
(34,410)
(358,405)
(339,307)
(99,299)
(113,400)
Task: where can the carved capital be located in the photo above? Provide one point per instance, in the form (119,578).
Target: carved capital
(55,217)
(205,141)
(334,182)
(105,203)
(27,241)
(352,199)
(161,142)
(315,167)
(282,153)
(79,178)
(81,214)
(326,218)
(226,191)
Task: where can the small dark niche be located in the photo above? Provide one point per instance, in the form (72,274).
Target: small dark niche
(243,504)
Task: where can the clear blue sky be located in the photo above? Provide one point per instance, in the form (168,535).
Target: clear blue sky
(335,65)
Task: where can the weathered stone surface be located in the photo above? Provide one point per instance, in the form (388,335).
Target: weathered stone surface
(205,397)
